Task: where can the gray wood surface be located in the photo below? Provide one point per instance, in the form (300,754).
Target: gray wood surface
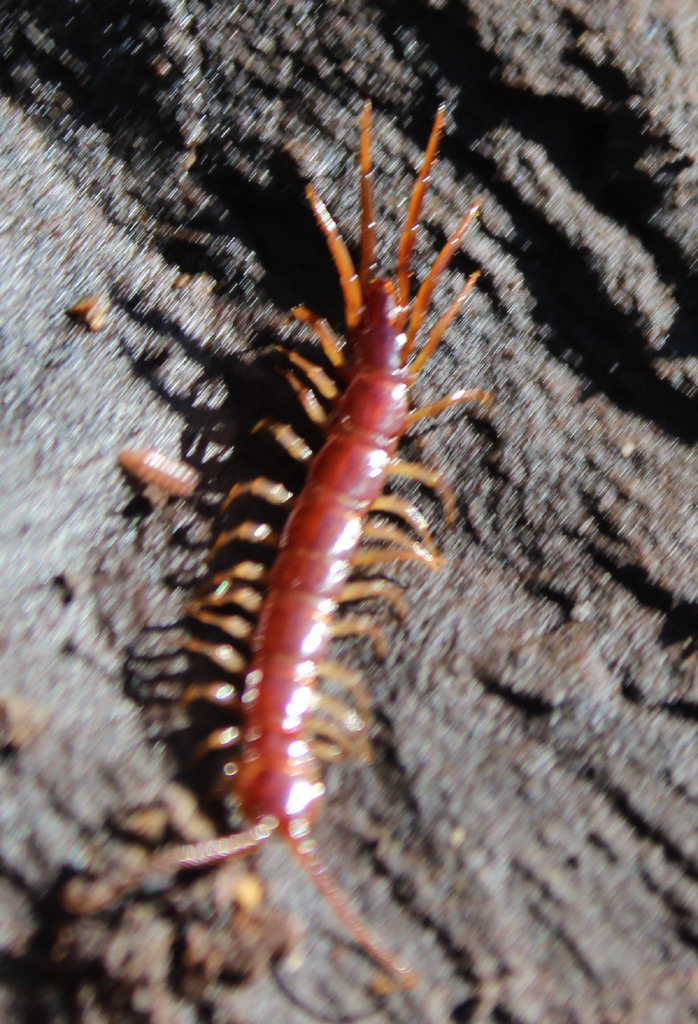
(528,835)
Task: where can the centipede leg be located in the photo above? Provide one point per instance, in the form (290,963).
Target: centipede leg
(225,656)
(83,897)
(379,556)
(348,679)
(224,588)
(234,626)
(331,345)
(246,598)
(251,572)
(391,534)
(354,744)
(315,374)
(212,851)
(438,330)
(254,533)
(360,625)
(219,739)
(403,272)
(455,397)
(367,264)
(326,750)
(428,478)
(261,487)
(359,590)
(223,694)
(348,278)
(307,853)
(287,437)
(310,404)
(346,717)
(394,506)
(426,289)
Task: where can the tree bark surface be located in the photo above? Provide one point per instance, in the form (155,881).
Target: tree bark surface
(528,834)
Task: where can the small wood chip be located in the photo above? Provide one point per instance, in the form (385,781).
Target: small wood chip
(91,311)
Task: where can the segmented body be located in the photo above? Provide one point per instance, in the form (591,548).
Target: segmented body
(278,774)
(286,724)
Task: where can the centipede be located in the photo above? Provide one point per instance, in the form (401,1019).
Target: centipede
(278,725)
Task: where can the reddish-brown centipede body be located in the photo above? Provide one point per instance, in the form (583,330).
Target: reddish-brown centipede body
(275,721)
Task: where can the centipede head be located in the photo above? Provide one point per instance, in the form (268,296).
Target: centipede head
(377,342)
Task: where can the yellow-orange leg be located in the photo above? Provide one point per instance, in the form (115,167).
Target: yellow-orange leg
(251,572)
(219,739)
(348,679)
(403,272)
(269,490)
(255,533)
(244,597)
(307,398)
(234,625)
(285,435)
(353,743)
(315,374)
(331,345)
(426,289)
(326,750)
(365,557)
(225,656)
(367,264)
(359,590)
(348,278)
(224,587)
(456,397)
(223,694)
(360,625)
(438,330)
(340,712)
(391,534)
(429,478)
(394,506)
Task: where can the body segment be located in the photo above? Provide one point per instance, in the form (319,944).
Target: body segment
(314,561)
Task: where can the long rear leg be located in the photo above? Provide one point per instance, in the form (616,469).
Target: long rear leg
(305,849)
(84,897)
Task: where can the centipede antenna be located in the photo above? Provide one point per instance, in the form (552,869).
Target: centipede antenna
(367,264)
(305,849)
(348,278)
(403,273)
(426,289)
